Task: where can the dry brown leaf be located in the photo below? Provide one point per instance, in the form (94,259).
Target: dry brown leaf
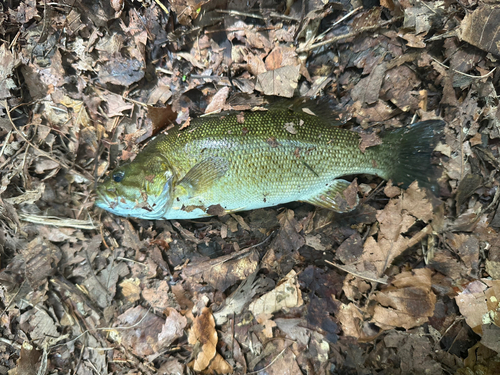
(289,233)
(408,302)
(161,118)
(414,41)
(225,271)
(267,323)
(478,303)
(235,303)
(173,327)
(295,328)
(367,90)
(315,242)
(149,334)
(392,191)
(481,28)
(8,62)
(281,56)
(121,71)
(398,88)
(203,334)
(28,360)
(467,248)
(40,325)
(280,82)
(255,65)
(158,295)
(286,295)
(395,220)
(351,319)
(284,364)
(379,112)
(115,104)
(368,140)
(218,101)
(130,289)
(41,258)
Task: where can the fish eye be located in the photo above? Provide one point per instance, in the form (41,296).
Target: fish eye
(118,176)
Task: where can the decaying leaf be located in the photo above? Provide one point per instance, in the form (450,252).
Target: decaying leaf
(204,336)
(408,302)
(398,216)
(130,289)
(148,334)
(286,295)
(279,82)
(478,303)
(218,101)
(481,28)
(28,360)
(9,61)
(224,271)
(235,303)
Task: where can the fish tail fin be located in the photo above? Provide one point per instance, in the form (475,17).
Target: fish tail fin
(414,146)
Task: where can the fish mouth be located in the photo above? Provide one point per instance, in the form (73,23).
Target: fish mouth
(103,200)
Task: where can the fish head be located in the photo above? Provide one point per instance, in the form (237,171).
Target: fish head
(142,188)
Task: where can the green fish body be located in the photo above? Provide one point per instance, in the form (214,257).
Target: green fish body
(235,162)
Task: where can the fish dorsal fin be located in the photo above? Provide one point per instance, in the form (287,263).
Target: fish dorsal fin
(203,175)
(334,198)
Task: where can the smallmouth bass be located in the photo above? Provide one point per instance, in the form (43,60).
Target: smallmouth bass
(226,163)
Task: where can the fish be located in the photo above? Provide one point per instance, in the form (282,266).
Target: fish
(239,161)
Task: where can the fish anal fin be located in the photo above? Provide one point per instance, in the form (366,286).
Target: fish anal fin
(203,175)
(339,195)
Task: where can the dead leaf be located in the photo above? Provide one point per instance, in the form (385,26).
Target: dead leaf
(268,324)
(148,334)
(351,319)
(235,303)
(467,248)
(478,303)
(281,56)
(8,62)
(315,242)
(279,82)
(41,258)
(396,219)
(295,329)
(131,289)
(408,302)
(203,334)
(161,118)
(218,101)
(216,210)
(225,271)
(286,295)
(173,328)
(41,326)
(367,90)
(158,295)
(481,28)
(27,362)
(121,71)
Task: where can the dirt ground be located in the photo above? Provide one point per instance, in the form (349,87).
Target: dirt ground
(408,283)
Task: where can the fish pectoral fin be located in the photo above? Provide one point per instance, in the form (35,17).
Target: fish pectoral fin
(203,175)
(336,197)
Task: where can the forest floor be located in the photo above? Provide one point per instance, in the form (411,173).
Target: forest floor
(408,283)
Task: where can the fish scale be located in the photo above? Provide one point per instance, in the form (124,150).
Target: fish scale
(271,157)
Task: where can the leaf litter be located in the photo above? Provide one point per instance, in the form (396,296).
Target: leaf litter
(405,283)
